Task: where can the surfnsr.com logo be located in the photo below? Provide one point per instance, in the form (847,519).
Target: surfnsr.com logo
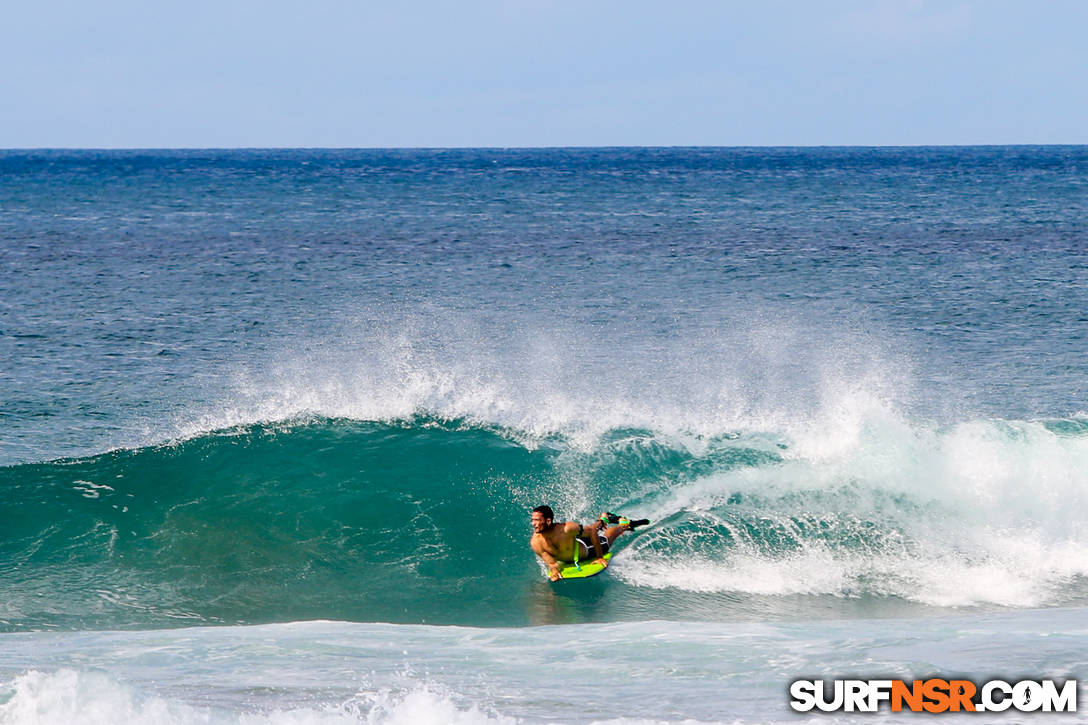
(934,695)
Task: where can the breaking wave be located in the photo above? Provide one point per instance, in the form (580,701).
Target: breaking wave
(424,519)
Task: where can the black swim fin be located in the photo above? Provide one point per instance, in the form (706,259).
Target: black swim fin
(632,525)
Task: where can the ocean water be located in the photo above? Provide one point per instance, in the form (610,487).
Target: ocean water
(271,423)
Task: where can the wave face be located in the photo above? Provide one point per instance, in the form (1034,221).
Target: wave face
(425,520)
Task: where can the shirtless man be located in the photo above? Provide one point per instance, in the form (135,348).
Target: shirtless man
(569,541)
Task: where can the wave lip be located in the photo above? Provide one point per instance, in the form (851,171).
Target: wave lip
(559,375)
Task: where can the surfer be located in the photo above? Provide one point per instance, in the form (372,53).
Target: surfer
(570,541)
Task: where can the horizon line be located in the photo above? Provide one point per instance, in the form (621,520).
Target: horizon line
(538,148)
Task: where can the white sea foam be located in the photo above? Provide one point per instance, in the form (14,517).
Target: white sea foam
(424,704)
(68,696)
(813,571)
(984,512)
(610,673)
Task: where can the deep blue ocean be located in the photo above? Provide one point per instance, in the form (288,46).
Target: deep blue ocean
(272,421)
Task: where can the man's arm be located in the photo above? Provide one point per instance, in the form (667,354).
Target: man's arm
(553,566)
(597,546)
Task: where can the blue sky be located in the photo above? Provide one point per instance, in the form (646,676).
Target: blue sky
(355,73)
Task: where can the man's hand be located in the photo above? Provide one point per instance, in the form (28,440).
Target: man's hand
(555,575)
(602,562)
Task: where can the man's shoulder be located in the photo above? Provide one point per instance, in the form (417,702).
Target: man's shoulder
(559,530)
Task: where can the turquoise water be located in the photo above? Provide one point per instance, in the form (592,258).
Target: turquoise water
(265,410)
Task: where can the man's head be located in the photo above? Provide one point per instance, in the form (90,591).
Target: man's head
(542,518)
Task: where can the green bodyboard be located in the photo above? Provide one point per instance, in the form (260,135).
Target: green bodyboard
(581,571)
